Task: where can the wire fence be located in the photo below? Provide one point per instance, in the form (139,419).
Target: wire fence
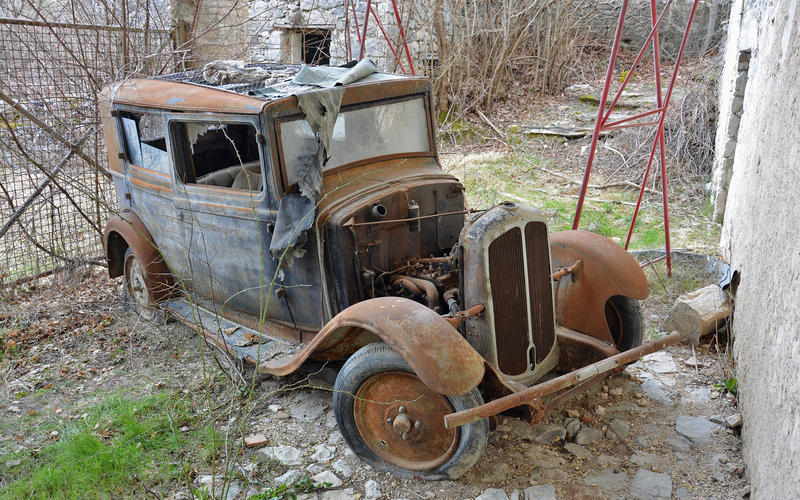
(54,189)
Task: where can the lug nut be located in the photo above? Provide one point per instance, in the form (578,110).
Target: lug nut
(402,409)
(405,436)
(418,424)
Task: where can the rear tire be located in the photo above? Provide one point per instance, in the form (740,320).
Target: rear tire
(626,322)
(135,292)
(396,424)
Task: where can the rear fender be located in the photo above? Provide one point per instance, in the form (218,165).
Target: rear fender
(437,353)
(606,270)
(127,230)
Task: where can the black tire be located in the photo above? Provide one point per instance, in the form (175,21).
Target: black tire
(625,320)
(135,295)
(379,360)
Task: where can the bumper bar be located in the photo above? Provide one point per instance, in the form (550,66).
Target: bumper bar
(538,391)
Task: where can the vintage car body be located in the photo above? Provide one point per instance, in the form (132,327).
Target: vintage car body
(434,306)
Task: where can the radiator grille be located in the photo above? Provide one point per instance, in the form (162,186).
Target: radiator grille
(509,302)
(539,286)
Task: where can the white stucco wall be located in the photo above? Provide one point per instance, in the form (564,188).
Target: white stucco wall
(760,238)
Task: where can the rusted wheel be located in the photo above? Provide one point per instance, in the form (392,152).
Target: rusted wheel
(394,422)
(135,293)
(624,317)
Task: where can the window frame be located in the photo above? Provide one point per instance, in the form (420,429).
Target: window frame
(178,151)
(431,152)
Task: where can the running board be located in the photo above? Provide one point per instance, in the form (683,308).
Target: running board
(237,340)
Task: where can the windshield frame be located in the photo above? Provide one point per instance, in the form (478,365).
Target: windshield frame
(431,152)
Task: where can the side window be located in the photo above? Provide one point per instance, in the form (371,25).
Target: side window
(217,154)
(145,141)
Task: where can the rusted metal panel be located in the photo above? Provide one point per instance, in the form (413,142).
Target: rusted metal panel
(606,270)
(577,349)
(537,392)
(436,352)
(176,96)
(509,302)
(539,289)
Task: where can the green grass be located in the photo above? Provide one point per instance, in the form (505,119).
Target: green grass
(121,448)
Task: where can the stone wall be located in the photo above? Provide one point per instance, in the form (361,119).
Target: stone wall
(218,30)
(760,238)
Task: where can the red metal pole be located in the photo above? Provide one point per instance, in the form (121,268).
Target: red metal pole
(657,70)
(402,35)
(347,50)
(388,42)
(355,21)
(364,35)
(598,123)
(653,32)
(659,139)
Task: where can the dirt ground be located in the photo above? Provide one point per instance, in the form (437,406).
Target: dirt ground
(76,345)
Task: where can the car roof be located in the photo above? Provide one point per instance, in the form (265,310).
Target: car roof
(190,91)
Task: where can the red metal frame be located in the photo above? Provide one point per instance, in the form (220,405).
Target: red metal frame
(601,123)
(361,33)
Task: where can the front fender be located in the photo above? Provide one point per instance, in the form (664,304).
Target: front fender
(607,270)
(437,353)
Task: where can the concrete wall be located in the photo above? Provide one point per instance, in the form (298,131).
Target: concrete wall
(760,238)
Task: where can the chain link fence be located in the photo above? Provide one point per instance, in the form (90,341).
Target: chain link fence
(55,193)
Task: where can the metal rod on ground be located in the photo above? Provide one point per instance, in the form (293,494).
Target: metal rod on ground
(564,381)
(601,106)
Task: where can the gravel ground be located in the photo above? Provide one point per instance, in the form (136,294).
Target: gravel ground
(657,430)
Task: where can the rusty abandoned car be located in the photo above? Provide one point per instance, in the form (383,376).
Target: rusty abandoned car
(307,217)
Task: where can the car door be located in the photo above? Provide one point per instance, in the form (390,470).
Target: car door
(225,204)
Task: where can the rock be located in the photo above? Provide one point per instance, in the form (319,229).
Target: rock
(492,494)
(288,477)
(696,429)
(620,427)
(745,492)
(609,479)
(497,473)
(340,466)
(679,443)
(659,362)
(696,395)
(607,459)
(323,453)
(615,391)
(643,458)
(514,495)
(255,440)
(683,493)
(649,485)
(734,420)
(274,408)
(540,492)
(699,312)
(281,415)
(599,410)
(307,411)
(588,435)
(13,462)
(287,455)
(572,425)
(548,433)
(625,408)
(346,494)
(717,419)
(314,469)
(372,490)
(578,450)
(303,496)
(543,458)
(573,413)
(693,363)
(656,391)
(223,490)
(327,477)
(557,475)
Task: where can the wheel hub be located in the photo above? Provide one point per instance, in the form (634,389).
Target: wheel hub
(402,421)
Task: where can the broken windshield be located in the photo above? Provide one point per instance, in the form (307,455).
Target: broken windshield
(359,134)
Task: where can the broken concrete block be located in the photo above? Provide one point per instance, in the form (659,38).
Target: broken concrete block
(255,440)
(700,312)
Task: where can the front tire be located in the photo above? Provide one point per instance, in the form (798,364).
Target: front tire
(395,423)
(625,320)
